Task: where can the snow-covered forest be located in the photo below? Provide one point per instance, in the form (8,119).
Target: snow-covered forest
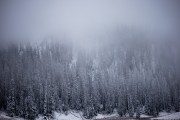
(89,58)
(127,75)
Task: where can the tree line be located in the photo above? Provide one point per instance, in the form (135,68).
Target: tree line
(132,76)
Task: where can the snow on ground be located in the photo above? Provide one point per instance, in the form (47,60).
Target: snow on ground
(76,115)
(164,113)
(71,115)
(174,116)
(100,116)
(145,116)
(4,115)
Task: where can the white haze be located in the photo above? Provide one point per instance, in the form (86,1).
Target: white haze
(83,21)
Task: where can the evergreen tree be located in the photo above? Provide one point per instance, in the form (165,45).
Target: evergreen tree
(11,99)
(31,108)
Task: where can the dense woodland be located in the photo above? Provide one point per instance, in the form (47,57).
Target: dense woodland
(131,74)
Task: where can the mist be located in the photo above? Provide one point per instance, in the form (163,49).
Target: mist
(85,21)
(89,59)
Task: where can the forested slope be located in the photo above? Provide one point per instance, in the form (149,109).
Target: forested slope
(125,74)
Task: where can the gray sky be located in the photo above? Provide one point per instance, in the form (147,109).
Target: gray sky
(82,19)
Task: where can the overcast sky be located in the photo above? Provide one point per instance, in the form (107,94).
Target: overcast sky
(80,19)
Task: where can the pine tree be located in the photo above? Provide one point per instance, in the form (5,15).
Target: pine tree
(52,99)
(31,108)
(21,106)
(179,100)
(147,106)
(138,110)
(121,105)
(11,99)
(130,107)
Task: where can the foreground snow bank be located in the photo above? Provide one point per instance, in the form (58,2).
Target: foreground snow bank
(171,116)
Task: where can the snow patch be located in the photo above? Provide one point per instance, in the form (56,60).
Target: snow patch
(170,116)
(76,115)
(4,115)
(164,113)
(100,116)
(144,116)
(71,115)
